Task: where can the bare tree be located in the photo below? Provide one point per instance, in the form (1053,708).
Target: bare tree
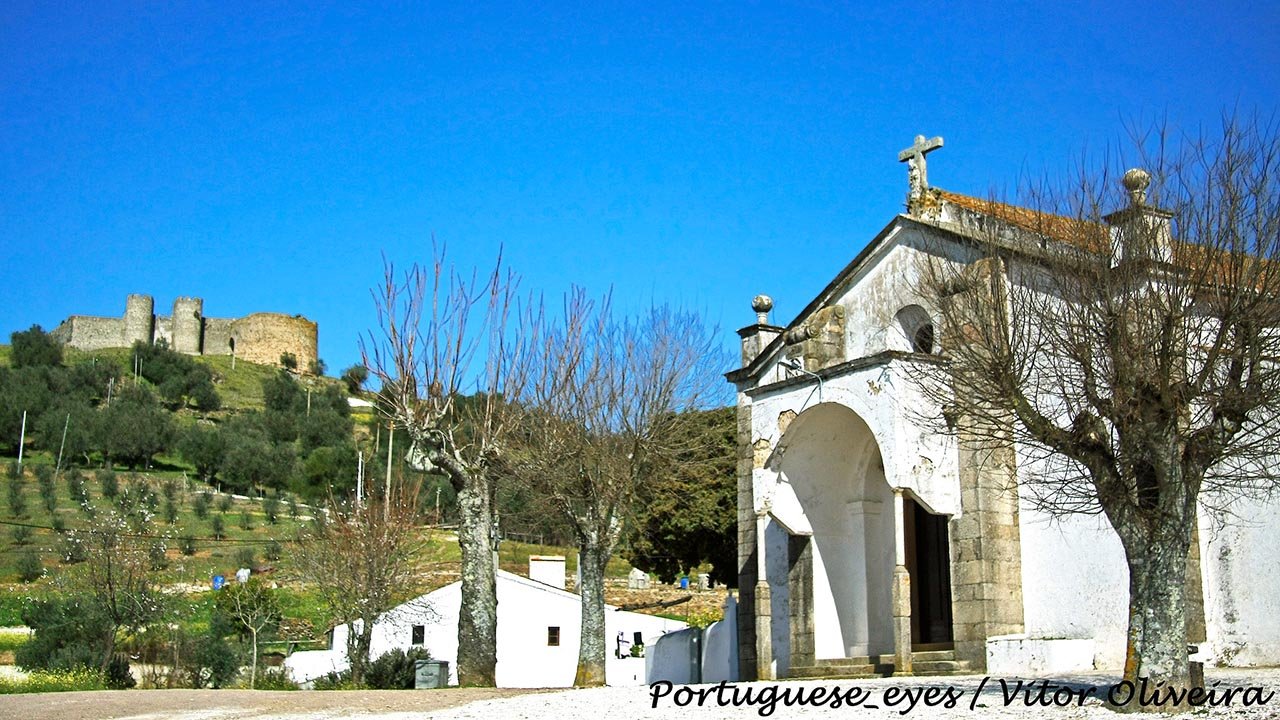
(363,558)
(453,371)
(604,413)
(253,607)
(1131,353)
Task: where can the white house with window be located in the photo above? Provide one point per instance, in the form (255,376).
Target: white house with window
(538,633)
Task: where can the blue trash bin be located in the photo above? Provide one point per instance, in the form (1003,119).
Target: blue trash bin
(218,582)
(684,583)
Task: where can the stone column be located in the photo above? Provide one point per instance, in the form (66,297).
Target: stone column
(901,591)
(800,598)
(765,667)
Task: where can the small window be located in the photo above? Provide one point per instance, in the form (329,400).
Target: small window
(917,329)
(553,636)
(922,342)
(419,635)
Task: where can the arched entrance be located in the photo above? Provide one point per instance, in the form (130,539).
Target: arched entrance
(839,600)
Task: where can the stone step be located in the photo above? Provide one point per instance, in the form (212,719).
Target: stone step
(931,662)
(931,667)
(845,672)
(857,660)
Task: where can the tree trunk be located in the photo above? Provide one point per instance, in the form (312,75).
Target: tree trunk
(358,649)
(591,648)
(1157,641)
(253,667)
(478,614)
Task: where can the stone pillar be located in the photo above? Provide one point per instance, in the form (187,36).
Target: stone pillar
(901,591)
(800,597)
(985,537)
(747,576)
(765,666)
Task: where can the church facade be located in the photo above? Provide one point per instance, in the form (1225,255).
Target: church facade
(870,542)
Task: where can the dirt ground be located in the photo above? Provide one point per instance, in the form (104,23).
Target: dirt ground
(158,704)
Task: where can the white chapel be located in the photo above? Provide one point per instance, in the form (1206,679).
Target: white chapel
(870,543)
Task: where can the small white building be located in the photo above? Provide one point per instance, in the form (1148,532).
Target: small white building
(538,633)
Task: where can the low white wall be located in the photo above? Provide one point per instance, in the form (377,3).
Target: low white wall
(720,646)
(1014,655)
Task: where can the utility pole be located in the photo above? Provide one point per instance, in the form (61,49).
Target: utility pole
(58,468)
(22,438)
(360,480)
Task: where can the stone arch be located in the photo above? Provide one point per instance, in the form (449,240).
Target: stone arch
(833,464)
(917,329)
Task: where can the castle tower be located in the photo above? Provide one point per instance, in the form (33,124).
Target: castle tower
(188,325)
(139,319)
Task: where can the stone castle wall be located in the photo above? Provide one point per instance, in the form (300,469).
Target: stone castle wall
(90,333)
(264,337)
(260,337)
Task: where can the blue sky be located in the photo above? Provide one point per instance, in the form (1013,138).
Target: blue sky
(265,156)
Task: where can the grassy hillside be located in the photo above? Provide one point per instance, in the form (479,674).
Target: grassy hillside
(240,388)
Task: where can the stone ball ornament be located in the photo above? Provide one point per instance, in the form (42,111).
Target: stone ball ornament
(762,304)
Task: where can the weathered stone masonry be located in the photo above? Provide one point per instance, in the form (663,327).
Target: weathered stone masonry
(260,337)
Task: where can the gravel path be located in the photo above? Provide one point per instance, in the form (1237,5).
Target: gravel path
(628,702)
(637,703)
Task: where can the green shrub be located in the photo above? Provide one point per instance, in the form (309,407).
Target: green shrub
(201,505)
(75,487)
(274,550)
(244,557)
(293,507)
(42,681)
(271,508)
(335,681)
(156,556)
(17,502)
(246,520)
(275,680)
(210,662)
(59,524)
(22,534)
(170,512)
(29,566)
(224,503)
(118,676)
(394,669)
(14,470)
(74,550)
(187,545)
(48,491)
(218,527)
(108,483)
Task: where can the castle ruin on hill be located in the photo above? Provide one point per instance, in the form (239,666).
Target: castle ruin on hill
(260,337)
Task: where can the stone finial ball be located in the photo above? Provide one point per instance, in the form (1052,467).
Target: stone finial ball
(762,303)
(1136,180)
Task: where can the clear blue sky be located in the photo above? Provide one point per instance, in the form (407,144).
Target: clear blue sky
(264,158)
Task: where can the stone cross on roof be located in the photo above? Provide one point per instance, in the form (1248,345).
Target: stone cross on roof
(917,172)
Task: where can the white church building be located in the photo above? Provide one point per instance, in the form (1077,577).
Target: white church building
(539,626)
(872,543)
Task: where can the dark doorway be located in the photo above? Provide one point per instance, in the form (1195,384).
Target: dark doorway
(929,564)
